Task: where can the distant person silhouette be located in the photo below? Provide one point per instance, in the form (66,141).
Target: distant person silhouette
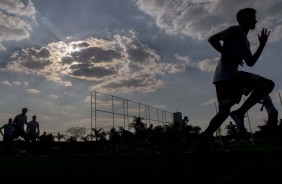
(7,135)
(271,110)
(230,83)
(272,121)
(43,137)
(19,122)
(150,133)
(8,131)
(182,126)
(32,129)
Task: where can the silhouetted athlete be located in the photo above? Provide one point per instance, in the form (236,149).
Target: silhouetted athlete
(7,136)
(272,121)
(271,110)
(32,129)
(182,126)
(19,122)
(8,131)
(230,83)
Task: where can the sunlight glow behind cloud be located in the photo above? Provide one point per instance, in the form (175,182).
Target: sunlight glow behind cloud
(118,65)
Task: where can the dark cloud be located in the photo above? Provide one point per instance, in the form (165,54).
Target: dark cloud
(82,44)
(138,52)
(44,53)
(96,54)
(67,60)
(128,83)
(34,59)
(32,64)
(82,70)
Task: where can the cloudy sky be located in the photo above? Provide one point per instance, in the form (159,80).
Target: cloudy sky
(54,53)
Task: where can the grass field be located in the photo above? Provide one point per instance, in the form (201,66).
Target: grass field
(228,164)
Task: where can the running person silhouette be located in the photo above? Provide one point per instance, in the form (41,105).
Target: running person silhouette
(230,83)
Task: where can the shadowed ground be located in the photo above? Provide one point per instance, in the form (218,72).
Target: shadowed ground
(244,163)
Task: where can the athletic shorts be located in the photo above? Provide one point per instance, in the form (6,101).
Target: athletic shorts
(229,91)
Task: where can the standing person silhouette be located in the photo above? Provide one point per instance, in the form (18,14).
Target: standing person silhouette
(8,131)
(19,121)
(32,129)
(230,83)
(182,132)
(7,136)
(272,121)
(271,110)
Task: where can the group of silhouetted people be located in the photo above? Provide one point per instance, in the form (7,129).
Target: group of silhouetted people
(15,129)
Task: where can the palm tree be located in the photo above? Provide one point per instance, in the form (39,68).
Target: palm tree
(137,124)
(60,136)
(196,130)
(140,128)
(169,134)
(97,133)
(126,136)
(158,135)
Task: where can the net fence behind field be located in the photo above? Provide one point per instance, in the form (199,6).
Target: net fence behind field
(109,111)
